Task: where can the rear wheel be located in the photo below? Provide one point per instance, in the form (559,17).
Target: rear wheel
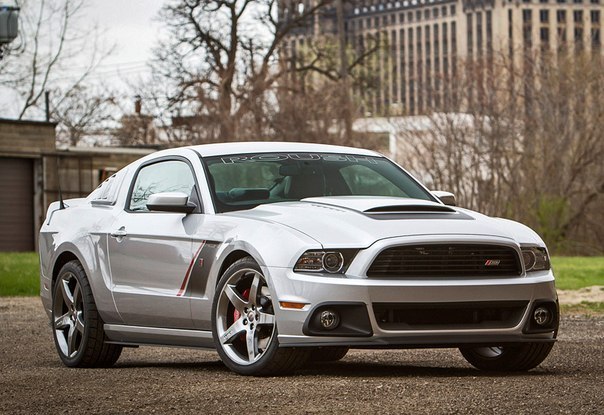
(77,327)
(515,358)
(244,326)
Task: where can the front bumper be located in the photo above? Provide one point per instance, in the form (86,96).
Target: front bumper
(316,289)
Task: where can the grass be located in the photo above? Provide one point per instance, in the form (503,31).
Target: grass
(573,273)
(19,273)
(584,308)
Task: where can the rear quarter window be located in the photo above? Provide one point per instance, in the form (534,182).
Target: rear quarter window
(108,191)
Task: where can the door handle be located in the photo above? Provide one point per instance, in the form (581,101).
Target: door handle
(120,233)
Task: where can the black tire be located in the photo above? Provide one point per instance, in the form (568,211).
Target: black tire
(270,360)
(81,319)
(328,354)
(516,358)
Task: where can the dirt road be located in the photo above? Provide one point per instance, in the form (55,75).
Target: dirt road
(163,380)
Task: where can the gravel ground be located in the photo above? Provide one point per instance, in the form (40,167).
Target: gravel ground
(165,380)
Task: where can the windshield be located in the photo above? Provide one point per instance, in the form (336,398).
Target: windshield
(245,181)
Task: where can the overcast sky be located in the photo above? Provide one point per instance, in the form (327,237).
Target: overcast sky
(130,25)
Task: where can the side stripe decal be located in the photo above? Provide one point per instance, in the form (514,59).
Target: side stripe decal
(185,282)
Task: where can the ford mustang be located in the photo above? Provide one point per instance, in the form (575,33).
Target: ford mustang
(277,254)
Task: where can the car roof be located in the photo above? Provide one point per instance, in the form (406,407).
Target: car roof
(248,147)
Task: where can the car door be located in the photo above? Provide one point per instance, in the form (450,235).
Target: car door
(150,253)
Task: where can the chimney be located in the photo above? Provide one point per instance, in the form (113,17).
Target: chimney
(138,104)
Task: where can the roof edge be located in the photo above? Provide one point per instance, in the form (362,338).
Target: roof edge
(28,122)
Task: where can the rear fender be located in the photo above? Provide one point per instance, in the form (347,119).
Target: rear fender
(97,272)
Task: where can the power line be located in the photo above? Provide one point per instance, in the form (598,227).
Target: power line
(112,64)
(106,74)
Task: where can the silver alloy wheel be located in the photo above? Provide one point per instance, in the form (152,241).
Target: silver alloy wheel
(68,314)
(245,320)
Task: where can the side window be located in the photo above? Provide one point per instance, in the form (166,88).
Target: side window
(165,176)
(364,181)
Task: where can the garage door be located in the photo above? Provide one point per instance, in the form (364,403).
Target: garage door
(16,204)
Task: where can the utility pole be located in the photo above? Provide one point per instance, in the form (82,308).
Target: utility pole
(344,71)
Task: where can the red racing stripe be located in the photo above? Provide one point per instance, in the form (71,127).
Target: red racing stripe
(183,287)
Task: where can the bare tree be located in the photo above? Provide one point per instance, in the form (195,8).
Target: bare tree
(527,146)
(220,59)
(83,111)
(564,127)
(50,45)
(314,100)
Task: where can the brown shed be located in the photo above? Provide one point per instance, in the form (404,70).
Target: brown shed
(22,144)
(31,170)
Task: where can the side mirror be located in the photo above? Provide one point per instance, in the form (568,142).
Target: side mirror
(170,202)
(446,197)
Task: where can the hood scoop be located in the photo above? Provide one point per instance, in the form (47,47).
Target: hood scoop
(381,204)
(389,208)
(409,209)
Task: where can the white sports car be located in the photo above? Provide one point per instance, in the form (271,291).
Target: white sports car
(277,253)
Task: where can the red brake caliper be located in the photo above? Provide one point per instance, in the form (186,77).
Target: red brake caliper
(237,314)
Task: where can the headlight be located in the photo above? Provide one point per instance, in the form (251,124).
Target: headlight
(535,259)
(333,261)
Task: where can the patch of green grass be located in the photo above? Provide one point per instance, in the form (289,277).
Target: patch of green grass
(19,274)
(573,273)
(584,308)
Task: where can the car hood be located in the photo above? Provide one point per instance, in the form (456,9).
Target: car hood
(359,221)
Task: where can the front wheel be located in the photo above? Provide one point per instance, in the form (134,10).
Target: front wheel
(514,358)
(244,326)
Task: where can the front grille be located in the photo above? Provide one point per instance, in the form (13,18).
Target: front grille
(443,316)
(446,260)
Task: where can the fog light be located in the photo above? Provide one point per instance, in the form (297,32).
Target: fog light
(542,316)
(329,319)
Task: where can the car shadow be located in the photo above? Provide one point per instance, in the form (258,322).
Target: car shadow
(375,369)
(193,366)
(346,369)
